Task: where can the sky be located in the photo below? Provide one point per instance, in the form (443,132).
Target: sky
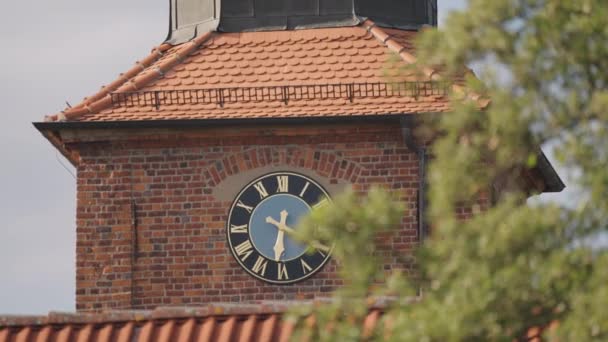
(53,52)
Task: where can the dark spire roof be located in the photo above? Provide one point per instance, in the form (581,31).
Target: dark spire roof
(190,18)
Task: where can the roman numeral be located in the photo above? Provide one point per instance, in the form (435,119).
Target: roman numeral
(261,189)
(244,206)
(244,250)
(321,204)
(283,183)
(282,272)
(260,266)
(304,189)
(238,229)
(322,254)
(305,267)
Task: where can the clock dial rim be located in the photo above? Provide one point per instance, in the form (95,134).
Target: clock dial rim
(316,270)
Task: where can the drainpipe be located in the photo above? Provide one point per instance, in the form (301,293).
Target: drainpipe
(408,137)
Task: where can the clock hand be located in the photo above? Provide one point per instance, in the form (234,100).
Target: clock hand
(280,226)
(284,214)
(273,222)
(279,246)
(290,231)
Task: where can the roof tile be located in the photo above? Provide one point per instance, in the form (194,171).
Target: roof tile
(344,55)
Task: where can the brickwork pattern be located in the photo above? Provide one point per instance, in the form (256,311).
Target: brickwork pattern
(151,227)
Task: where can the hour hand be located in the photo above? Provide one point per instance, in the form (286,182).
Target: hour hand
(273,222)
(281,227)
(279,246)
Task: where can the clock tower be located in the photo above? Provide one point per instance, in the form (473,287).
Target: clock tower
(195,165)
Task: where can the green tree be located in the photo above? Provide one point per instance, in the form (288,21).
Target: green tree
(516,265)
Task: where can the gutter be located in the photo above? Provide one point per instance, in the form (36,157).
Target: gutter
(421,153)
(199,123)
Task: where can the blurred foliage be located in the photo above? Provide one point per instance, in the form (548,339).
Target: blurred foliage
(517,265)
(358,219)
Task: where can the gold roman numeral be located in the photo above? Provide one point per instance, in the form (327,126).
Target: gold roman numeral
(260,266)
(321,204)
(305,267)
(238,229)
(304,189)
(244,206)
(261,189)
(283,183)
(283,272)
(244,250)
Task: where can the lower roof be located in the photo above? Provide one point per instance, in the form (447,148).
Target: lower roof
(213,323)
(264,322)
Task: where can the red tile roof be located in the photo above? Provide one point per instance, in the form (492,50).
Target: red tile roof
(213,323)
(346,55)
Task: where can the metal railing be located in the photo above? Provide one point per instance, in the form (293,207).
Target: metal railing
(222,96)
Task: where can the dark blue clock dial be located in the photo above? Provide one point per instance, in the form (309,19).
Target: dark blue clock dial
(262,220)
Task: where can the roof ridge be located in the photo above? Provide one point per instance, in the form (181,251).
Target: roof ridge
(180,312)
(134,78)
(387,40)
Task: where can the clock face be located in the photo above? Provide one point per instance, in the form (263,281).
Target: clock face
(261,220)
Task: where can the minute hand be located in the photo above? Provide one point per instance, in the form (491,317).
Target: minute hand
(289,231)
(279,246)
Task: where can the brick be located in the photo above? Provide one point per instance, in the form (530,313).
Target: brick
(181,256)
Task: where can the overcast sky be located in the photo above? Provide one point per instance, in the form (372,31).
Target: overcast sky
(52,52)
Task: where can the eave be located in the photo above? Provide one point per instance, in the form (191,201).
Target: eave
(543,177)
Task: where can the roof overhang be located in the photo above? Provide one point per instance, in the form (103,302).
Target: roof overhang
(51,130)
(198,123)
(553,183)
(549,180)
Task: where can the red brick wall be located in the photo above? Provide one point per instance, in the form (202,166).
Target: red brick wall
(152,207)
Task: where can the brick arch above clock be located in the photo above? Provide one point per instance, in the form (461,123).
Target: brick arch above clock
(228,175)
